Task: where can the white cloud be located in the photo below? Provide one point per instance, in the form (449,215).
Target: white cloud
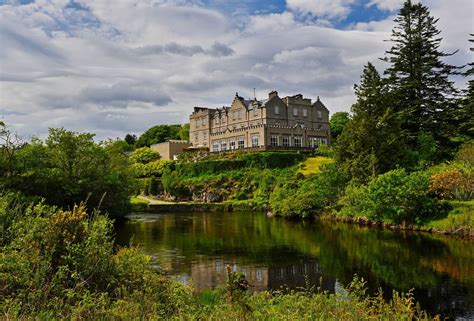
(389,5)
(330,9)
(123,68)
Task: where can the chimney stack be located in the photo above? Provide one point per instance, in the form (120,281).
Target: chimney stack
(272,94)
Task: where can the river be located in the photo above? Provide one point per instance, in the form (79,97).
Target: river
(275,253)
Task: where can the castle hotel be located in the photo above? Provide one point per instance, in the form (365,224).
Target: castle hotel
(291,122)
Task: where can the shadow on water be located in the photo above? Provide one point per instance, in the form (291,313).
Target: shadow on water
(272,252)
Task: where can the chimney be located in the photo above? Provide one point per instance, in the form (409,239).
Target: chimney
(272,94)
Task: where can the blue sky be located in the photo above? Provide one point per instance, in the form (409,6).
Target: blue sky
(117,67)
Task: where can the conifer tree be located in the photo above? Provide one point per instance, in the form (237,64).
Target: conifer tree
(371,142)
(465,120)
(418,78)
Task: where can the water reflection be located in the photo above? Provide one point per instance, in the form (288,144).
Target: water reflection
(273,253)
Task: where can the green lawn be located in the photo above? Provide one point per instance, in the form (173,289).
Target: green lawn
(461,216)
(313,165)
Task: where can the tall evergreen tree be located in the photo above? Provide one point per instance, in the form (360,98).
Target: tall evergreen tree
(371,142)
(419,79)
(465,120)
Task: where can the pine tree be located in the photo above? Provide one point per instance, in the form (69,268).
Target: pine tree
(371,142)
(418,78)
(465,120)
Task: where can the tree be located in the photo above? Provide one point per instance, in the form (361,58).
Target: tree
(370,143)
(337,123)
(465,120)
(130,139)
(419,79)
(158,134)
(144,155)
(69,168)
(184,132)
(9,145)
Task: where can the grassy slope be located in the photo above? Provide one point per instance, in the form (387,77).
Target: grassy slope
(461,217)
(313,165)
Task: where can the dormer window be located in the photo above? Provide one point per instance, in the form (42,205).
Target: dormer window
(320,114)
(277,110)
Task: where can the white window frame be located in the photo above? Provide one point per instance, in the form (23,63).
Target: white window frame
(240,143)
(277,110)
(287,141)
(320,115)
(298,141)
(215,147)
(232,144)
(305,112)
(223,145)
(295,112)
(274,140)
(255,141)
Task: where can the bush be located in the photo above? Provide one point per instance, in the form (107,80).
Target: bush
(144,155)
(452,184)
(393,197)
(309,196)
(62,264)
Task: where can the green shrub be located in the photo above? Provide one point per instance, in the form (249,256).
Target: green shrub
(58,264)
(305,197)
(393,197)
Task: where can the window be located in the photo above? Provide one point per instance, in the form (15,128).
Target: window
(196,137)
(277,110)
(313,142)
(255,141)
(286,141)
(232,144)
(255,111)
(215,147)
(319,114)
(298,141)
(223,145)
(305,112)
(324,141)
(295,111)
(198,122)
(240,143)
(216,121)
(234,115)
(274,140)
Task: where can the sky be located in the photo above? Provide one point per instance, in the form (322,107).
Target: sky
(118,67)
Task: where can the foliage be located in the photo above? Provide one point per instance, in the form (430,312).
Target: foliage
(152,169)
(370,143)
(459,219)
(161,133)
(452,184)
(144,155)
(393,197)
(184,132)
(130,139)
(62,264)
(418,78)
(309,196)
(337,123)
(69,167)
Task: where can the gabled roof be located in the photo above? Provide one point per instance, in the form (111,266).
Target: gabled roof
(319,103)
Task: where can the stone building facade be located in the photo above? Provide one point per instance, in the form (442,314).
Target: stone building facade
(291,122)
(170,149)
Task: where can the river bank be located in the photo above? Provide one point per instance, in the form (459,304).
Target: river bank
(459,221)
